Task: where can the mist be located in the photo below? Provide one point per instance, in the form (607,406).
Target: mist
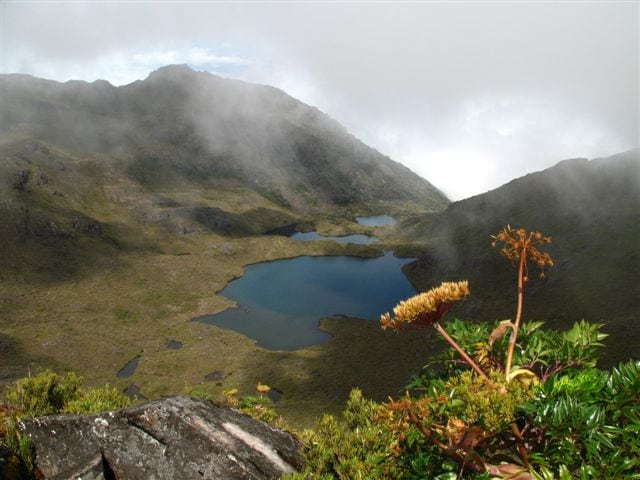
(468,95)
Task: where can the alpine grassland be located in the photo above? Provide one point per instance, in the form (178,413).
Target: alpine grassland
(509,399)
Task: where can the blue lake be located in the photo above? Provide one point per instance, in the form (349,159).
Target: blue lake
(281,302)
(355,238)
(376,221)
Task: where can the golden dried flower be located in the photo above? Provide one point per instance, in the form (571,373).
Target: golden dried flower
(263,389)
(426,308)
(515,241)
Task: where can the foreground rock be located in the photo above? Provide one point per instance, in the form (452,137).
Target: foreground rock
(173,438)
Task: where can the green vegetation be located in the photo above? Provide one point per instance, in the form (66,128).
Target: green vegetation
(258,406)
(354,447)
(91,302)
(553,415)
(46,394)
(591,205)
(582,422)
(116,232)
(112,245)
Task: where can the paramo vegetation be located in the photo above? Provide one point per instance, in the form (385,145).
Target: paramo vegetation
(530,405)
(509,400)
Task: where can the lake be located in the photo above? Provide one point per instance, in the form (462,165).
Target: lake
(281,302)
(376,221)
(355,238)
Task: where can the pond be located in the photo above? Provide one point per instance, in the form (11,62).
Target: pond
(355,238)
(281,302)
(130,368)
(376,221)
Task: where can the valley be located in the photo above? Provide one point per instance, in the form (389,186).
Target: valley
(107,306)
(126,211)
(114,241)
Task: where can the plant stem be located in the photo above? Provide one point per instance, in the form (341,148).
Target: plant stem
(457,348)
(522,449)
(514,333)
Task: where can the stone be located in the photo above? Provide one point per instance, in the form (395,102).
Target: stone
(174,344)
(275,394)
(134,393)
(215,376)
(176,437)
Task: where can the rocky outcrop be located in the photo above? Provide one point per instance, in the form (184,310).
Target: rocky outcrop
(174,438)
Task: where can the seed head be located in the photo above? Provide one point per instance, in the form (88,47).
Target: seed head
(263,389)
(426,308)
(516,241)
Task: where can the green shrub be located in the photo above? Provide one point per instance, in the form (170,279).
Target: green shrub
(507,401)
(43,394)
(46,394)
(589,421)
(259,407)
(97,399)
(355,447)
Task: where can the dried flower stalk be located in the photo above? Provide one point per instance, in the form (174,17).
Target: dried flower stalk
(519,246)
(426,309)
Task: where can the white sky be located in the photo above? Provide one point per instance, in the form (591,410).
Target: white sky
(467,94)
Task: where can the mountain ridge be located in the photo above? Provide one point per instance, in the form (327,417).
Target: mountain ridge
(227,127)
(591,209)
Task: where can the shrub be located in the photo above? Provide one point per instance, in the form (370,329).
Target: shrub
(43,394)
(355,447)
(510,400)
(94,400)
(46,394)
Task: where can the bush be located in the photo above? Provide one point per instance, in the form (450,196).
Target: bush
(356,447)
(94,400)
(43,394)
(46,394)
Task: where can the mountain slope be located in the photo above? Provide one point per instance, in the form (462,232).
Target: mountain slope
(91,169)
(592,211)
(182,126)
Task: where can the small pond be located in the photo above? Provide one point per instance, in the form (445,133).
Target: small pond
(376,221)
(281,302)
(134,393)
(129,369)
(355,238)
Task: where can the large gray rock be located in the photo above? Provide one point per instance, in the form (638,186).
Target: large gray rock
(173,438)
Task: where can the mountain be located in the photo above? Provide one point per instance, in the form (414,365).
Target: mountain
(114,169)
(181,127)
(591,209)
(124,210)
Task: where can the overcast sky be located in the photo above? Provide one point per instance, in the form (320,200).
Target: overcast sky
(468,95)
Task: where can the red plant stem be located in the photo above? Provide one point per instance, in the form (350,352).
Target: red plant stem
(457,348)
(425,431)
(522,449)
(514,333)
(454,453)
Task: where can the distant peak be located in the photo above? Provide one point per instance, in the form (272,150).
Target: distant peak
(102,83)
(174,68)
(172,71)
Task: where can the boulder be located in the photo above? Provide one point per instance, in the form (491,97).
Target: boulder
(173,438)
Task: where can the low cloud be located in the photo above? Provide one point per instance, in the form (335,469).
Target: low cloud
(468,95)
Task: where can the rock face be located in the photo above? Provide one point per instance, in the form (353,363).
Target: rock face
(173,438)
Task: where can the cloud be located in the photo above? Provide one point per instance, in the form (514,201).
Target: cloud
(469,95)
(121,68)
